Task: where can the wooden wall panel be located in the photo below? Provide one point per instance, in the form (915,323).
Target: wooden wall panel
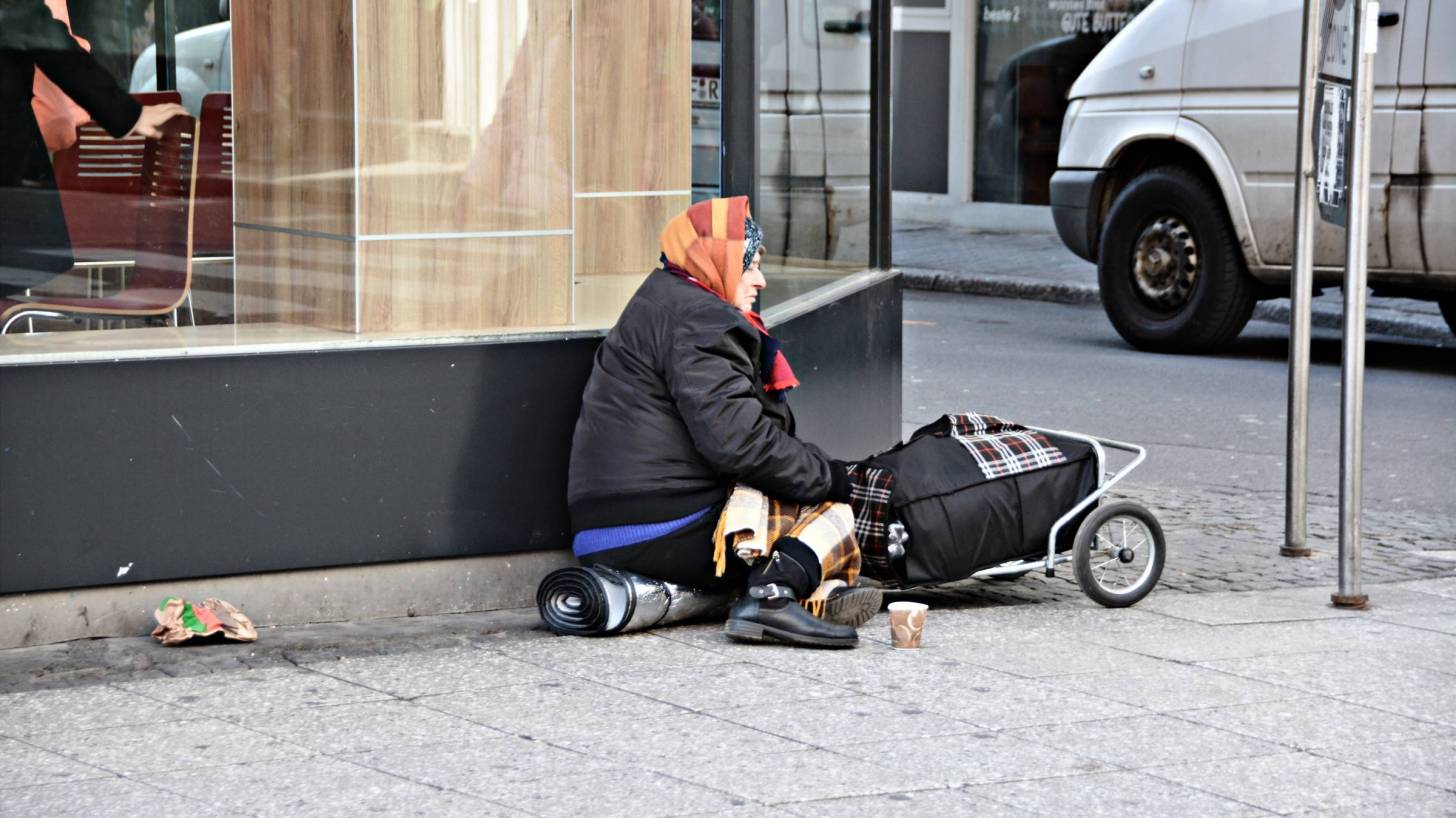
(619,235)
(293,100)
(465,284)
(465,115)
(633,100)
(291,279)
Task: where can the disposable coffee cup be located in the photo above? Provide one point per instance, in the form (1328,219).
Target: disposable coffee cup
(907,624)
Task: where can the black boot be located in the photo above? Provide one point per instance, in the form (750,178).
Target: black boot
(770,611)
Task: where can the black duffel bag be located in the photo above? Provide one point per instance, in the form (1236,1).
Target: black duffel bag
(976,493)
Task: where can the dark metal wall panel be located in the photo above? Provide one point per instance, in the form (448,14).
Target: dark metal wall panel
(211,466)
(922,111)
(848,356)
(146,471)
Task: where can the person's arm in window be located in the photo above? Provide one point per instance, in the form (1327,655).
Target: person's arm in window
(27,25)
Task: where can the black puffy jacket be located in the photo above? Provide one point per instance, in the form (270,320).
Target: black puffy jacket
(675,414)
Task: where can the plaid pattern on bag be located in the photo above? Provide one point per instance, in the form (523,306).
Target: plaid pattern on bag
(1002,448)
(869,496)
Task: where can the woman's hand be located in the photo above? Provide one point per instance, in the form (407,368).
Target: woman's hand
(153,117)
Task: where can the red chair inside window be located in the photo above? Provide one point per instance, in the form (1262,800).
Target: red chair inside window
(100,180)
(212,235)
(161,280)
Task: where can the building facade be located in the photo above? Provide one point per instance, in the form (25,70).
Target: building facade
(431,213)
(980,92)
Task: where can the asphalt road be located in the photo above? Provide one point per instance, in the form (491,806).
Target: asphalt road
(1211,421)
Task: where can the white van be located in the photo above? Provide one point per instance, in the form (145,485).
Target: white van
(1177,163)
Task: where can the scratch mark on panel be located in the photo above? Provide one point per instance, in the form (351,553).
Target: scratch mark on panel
(179,426)
(227,482)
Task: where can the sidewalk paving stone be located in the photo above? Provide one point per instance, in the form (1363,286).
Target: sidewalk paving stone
(1114,795)
(28,712)
(480,767)
(621,654)
(1432,704)
(660,742)
(845,720)
(319,787)
(1282,605)
(1050,656)
(1000,701)
(973,758)
(936,803)
(719,686)
(1335,672)
(529,709)
(1427,760)
(251,691)
(1206,643)
(783,778)
(1437,807)
(1293,781)
(24,765)
(1171,686)
(428,672)
(1313,722)
(1138,742)
(630,793)
(1035,704)
(364,726)
(109,796)
(177,745)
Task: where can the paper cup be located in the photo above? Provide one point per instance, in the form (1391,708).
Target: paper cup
(907,624)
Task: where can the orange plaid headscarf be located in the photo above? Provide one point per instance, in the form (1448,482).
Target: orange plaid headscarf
(706,242)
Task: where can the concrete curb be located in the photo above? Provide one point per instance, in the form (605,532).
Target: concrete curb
(1066,292)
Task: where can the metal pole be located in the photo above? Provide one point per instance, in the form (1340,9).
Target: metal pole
(739,88)
(1301,291)
(1352,368)
(164,33)
(881,37)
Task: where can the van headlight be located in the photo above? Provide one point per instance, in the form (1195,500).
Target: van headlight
(1073,108)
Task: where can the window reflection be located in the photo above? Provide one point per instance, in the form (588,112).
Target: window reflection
(1028,55)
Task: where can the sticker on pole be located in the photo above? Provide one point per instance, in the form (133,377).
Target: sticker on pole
(1332,112)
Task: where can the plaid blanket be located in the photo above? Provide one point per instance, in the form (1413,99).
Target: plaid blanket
(1002,448)
(869,497)
(752,522)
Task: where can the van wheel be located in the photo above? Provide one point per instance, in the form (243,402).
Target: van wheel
(1169,267)
(1448,311)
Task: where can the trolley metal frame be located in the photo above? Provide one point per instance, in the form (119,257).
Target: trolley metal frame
(1105,482)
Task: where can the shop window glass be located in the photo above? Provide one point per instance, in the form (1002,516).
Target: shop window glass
(814,142)
(384,171)
(707,98)
(1027,56)
(401,170)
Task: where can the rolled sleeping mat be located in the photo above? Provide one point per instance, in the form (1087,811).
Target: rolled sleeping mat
(599,601)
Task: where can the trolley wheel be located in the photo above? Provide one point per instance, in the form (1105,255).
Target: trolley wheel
(1118,554)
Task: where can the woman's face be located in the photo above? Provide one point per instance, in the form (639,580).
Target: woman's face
(749,285)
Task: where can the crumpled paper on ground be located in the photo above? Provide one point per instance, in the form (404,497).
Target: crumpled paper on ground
(179,620)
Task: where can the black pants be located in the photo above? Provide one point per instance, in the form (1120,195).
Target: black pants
(684,557)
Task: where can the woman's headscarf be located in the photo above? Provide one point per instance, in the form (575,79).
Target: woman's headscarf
(712,243)
(707,242)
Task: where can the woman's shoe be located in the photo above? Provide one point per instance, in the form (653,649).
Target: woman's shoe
(852,606)
(770,613)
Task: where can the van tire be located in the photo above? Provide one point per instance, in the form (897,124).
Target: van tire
(1448,311)
(1191,292)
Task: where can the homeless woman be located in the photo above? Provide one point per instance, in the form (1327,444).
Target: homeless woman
(684,465)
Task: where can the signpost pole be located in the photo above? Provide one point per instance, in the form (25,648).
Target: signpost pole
(1352,368)
(1301,289)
